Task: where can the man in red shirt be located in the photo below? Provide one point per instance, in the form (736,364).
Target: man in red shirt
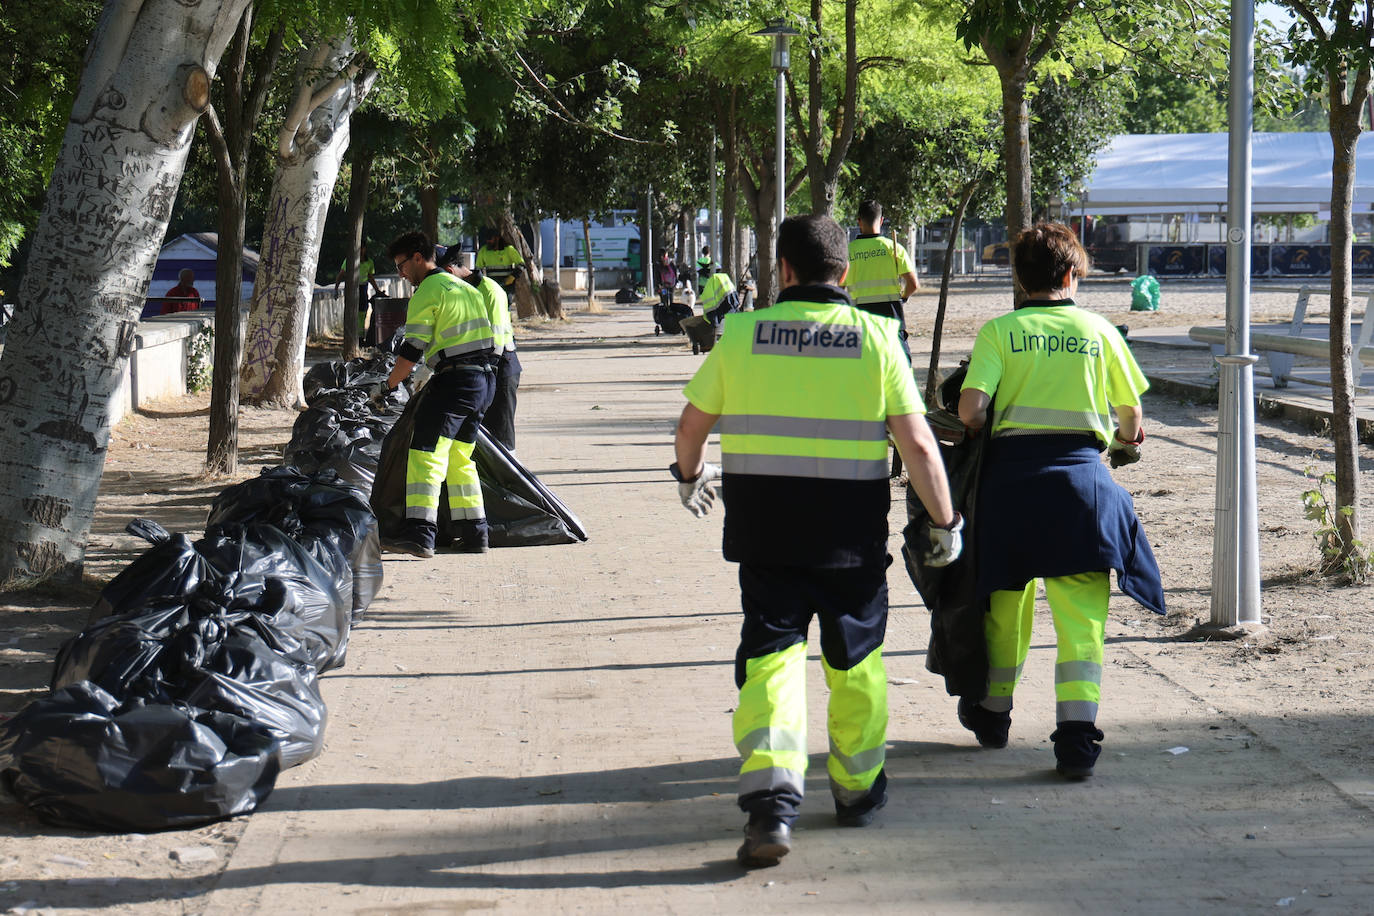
(183,297)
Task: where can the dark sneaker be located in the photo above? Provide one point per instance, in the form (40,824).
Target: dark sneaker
(469,545)
(766,841)
(405,545)
(1076,748)
(860,815)
(990,728)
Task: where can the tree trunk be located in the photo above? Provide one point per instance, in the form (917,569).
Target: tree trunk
(1345,134)
(311,149)
(429,211)
(762,203)
(146,79)
(591,267)
(936,332)
(358,183)
(729,223)
(825,155)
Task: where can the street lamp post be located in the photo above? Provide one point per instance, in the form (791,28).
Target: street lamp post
(780,32)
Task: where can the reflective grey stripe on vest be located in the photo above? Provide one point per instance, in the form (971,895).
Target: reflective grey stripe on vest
(1086,420)
(771,739)
(861,762)
(808,338)
(803,466)
(423,489)
(1075,711)
(1065,672)
(756,424)
(771,779)
(466,513)
(424,513)
(466,326)
(419,330)
(472,346)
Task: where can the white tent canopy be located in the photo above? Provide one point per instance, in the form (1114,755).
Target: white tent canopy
(1186,173)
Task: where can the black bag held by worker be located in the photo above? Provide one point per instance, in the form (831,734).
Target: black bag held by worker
(520,510)
(669,317)
(958,648)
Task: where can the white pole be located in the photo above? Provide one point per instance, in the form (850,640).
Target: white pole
(715,252)
(781,167)
(557,251)
(1235,543)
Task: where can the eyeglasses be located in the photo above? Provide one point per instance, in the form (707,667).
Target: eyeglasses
(401,261)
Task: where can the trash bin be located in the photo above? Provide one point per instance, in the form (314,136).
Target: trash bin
(1145,294)
(391,314)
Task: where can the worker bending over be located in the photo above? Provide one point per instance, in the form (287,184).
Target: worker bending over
(805,393)
(448,327)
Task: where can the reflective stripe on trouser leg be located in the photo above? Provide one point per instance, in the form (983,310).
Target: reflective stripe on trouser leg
(425,472)
(1007,627)
(770,724)
(464,486)
(1079,606)
(857,721)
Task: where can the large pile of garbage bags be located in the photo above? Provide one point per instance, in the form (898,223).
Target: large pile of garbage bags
(196,681)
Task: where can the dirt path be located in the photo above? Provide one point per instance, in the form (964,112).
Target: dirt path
(547,729)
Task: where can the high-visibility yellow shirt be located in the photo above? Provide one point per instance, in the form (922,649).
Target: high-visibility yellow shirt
(717,288)
(803,391)
(1051,366)
(446,317)
(499,257)
(876,267)
(498,306)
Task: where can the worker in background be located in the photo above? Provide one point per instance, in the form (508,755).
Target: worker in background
(880,273)
(1054,374)
(494,254)
(704,265)
(499,420)
(805,394)
(366,276)
(448,327)
(715,295)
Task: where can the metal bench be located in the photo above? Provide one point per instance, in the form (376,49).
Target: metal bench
(1280,350)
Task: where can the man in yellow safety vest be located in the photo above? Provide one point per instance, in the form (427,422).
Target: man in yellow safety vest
(805,394)
(880,273)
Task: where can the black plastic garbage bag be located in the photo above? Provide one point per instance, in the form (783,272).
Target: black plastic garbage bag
(315,573)
(134,657)
(246,677)
(316,435)
(958,647)
(169,568)
(317,510)
(81,758)
(356,465)
(521,511)
(354,373)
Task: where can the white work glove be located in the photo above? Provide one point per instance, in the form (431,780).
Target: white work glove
(1121,451)
(378,395)
(945,543)
(699,495)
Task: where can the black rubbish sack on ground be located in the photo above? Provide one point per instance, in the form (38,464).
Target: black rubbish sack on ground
(169,568)
(316,575)
(80,758)
(958,647)
(315,509)
(242,652)
(521,511)
(363,372)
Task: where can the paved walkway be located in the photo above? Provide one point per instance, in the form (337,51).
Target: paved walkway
(547,730)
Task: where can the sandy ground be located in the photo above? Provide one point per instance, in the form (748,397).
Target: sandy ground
(547,729)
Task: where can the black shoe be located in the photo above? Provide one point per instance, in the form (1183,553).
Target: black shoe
(1076,748)
(405,545)
(766,841)
(860,815)
(990,728)
(469,545)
